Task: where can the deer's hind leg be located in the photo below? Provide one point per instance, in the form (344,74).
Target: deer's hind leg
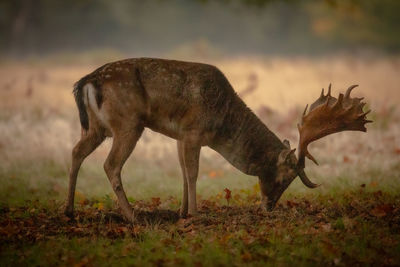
(124,141)
(90,140)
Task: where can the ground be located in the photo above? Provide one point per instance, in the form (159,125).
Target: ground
(360,226)
(353,218)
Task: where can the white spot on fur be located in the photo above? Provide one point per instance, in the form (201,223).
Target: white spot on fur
(85,94)
(90,101)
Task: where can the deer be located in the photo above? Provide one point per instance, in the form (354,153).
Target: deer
(195,104)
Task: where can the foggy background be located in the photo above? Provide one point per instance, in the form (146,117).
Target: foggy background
(200,28)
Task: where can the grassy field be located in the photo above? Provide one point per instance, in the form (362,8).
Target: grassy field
(353,218)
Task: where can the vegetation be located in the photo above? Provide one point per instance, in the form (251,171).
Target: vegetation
(354,226)
(217,27)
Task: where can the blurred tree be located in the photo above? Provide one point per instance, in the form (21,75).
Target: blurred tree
(239,26)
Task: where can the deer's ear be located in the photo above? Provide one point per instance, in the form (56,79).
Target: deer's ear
(286,143)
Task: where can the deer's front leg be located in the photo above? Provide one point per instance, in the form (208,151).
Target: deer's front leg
(184,206)
(190,158)
(123,144)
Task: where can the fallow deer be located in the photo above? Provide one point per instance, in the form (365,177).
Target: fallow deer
(196,105)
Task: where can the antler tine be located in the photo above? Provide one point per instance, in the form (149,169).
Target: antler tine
(338,103)
(328,97)
(306,181)
(308,155)
(305,110)
(365,114)
(328,115)
(348,91)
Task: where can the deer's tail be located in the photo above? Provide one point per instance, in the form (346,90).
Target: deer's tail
(80,102)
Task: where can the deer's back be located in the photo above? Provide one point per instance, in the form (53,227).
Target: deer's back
(172,97)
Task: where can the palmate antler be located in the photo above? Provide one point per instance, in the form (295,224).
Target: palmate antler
(328,115)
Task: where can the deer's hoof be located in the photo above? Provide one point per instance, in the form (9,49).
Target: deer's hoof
(192,214)
(130,218)
(69,213)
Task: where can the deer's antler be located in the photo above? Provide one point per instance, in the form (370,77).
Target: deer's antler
(328,115)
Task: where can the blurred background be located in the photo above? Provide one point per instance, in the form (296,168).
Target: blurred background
(278,54)
(221,27)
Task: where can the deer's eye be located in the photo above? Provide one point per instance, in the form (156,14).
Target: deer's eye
(289,161)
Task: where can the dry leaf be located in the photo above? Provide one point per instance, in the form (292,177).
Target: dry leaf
(381,210)
(155,201)
(228,194)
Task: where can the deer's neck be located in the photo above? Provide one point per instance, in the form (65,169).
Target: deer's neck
(246,142)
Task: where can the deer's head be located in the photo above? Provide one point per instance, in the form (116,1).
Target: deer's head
(327,115)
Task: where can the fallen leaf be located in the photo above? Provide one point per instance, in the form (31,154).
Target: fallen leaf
(326,227)
(155,201)
(246,256)
(215,174)
(224,239)
(329,247)
(291,204)
(100,206)
(83,201)
(228,194)
(373,184)
(382,210)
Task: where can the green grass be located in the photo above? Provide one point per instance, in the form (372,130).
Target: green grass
(342,223)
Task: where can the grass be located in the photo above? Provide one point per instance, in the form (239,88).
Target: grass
(329,233)
(338,225)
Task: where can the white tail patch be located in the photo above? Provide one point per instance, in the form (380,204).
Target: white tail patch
(89,92)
